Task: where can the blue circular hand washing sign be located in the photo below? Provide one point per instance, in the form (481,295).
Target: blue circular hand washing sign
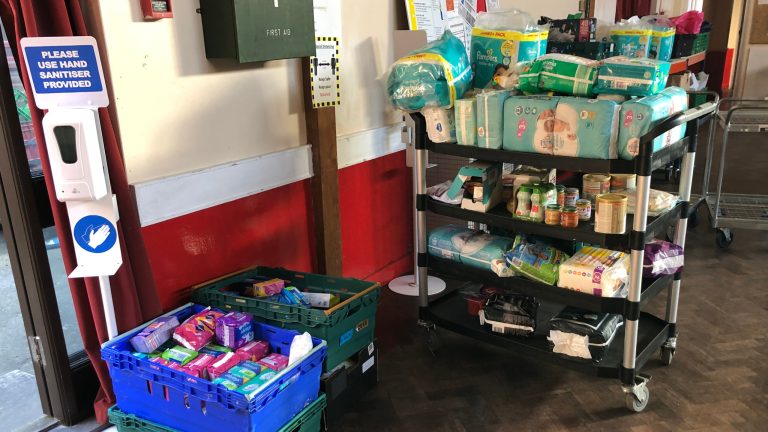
(95,234)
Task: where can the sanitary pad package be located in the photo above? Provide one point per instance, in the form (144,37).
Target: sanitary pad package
(472,248)
(265,288)
(567,74)
(214,350)
(490,118)
(529,123)
(179,355)
(639,116)
(199,366)
(632,76)
(253,351)
(223,364)
(465,113)
(157,333)
(234,329)
(535,259)
(596,271)
(435,75)
(440,124)
(586,128)
(252,387)
(197,330)
(274,361)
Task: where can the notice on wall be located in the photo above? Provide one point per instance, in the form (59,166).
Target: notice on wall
(65,72)
(435,16)
(324,71)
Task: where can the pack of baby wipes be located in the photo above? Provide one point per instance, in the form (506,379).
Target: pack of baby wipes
(433,76)
(528,123)
(567,74)
(586,128)
(465,113)
(469,247)
(639,116)
(596,271)
(440,124)
(632,76)
(490,118)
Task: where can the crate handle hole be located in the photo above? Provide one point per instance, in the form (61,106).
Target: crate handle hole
(203,408)
(149,386)
(186,401)
(165,393)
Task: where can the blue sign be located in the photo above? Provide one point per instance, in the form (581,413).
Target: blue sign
(63,69)
(95,234)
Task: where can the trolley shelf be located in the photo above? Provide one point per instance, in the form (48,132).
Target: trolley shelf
(617,166)
(519,285)
(585,232)
(450,312)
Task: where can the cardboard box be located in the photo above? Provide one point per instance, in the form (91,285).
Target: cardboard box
(683,80)
(485,197)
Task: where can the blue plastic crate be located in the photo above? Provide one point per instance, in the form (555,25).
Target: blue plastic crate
(187,403)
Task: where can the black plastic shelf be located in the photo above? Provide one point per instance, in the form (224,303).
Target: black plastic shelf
(618,166)
(551,293)
(585,232)
(450,312)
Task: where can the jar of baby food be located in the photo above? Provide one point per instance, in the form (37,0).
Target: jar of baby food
(571,195)
(584,209)
(523,202)
(569,217)
(552,215)
(560,195)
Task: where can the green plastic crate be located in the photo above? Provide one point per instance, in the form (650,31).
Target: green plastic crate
(346,327)
(308,420)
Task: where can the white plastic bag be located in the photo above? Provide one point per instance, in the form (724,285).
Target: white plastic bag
(300,346)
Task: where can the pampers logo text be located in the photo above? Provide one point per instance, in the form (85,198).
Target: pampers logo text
(488,56)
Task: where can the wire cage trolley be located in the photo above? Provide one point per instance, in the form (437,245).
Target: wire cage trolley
(732,210)
(643,334)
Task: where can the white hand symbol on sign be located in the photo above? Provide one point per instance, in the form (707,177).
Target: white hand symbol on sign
(97,237)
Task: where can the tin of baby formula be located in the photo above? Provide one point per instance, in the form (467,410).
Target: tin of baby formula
(571,196)
(620,182)
(584,209)
(594,185)
(611,214)
(569,217)
(552,214)
(560,195)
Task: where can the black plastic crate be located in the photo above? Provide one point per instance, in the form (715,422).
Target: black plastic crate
(346,386)
(689,44)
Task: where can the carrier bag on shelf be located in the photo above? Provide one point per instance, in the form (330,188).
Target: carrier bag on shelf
(632,76)
(586,128)
(662,258)
(535,259)
(567,74)
(658,201)
(473,248)
(465,113)
(490,118)
(501,39)
(596,271)
(433,76)
(511,315)
(528,123)
(632,38)
(583,334)
(639,116)
(440,124)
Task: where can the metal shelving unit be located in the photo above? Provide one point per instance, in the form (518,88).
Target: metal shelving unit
(643,334)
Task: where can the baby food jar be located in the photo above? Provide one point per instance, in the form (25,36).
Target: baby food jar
(552,215)
(569,217)
(560,195)
(571,196)
(584,209)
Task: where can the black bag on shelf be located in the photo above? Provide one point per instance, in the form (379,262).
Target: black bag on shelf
(578,333)
(512,315)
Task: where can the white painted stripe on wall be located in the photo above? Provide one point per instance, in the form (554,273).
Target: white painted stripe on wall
(170,197)
(368,145)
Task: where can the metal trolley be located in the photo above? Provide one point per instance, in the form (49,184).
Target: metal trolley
(643,334)
(731,210)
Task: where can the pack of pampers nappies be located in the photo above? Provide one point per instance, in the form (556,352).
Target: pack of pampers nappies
(586,128)
(440,124)
(473,248)
(632,76)
(639,116)
(529,123)
(662,41)
(490,118)
(465,114)
(433,76)
(528,80)
(567,74)
(632,38)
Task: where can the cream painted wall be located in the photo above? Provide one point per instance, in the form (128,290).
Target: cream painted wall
(178,111)
(537,8)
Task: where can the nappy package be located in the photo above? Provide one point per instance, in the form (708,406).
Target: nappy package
(639,116)
(528,123)
(567,74)
(632,41)
(493,51)
(473,248)
(596,271)
(440,124)
(632,76)
(490,118)
(465,114)
(586,128)
(662,41)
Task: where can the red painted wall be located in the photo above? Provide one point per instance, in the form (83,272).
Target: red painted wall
(273,228)
(375,200)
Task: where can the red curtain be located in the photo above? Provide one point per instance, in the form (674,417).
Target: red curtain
(133,289)
(626,9)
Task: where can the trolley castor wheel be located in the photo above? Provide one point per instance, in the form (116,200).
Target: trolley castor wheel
(724,238)
(667,354)
(637,403)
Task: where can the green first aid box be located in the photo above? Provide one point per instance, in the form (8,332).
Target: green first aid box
(258,30)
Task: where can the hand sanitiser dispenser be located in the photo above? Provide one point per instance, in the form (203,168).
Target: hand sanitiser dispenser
(76,154)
